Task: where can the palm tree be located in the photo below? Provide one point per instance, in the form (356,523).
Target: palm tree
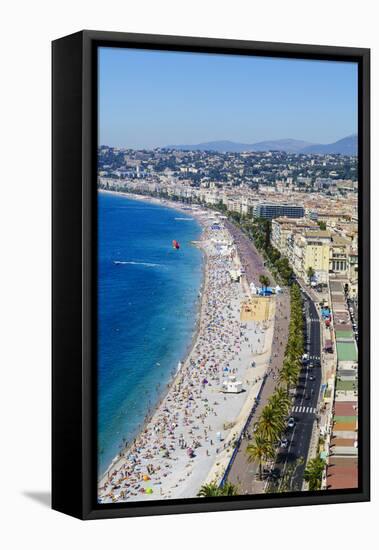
(209,490)
(213,490)
(264,280)
(289,374)
(270,423)
(294,351)
(229,489)
(313,473)
(280,401)
(260,450)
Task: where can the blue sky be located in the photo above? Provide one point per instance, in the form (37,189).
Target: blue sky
(152,98)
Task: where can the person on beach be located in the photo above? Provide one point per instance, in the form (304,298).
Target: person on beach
(182,433)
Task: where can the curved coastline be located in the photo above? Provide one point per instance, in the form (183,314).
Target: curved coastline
(130,476)
(174,372)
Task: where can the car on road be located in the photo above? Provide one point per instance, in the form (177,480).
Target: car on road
(311,378)
(284,443)
(307,396)
(291,422)
(271,475)
(274,474)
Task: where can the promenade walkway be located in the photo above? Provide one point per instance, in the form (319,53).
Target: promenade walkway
(244,473)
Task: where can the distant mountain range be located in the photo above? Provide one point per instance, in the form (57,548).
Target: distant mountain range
(344,146)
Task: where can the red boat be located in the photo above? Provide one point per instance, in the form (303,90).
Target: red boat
(175,245)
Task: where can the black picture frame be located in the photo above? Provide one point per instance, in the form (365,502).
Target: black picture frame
(74,150)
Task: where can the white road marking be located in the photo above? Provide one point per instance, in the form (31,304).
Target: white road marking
(303,409)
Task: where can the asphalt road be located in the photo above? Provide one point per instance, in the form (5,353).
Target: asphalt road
(243,473)
(307,392)
(305,404)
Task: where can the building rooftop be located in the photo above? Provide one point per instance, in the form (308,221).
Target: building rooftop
(339,241)
(319,234)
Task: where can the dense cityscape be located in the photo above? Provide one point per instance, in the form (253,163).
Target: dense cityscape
(299,213)
(311,198)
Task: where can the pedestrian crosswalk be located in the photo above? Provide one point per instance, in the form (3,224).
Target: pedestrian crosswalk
(302,409)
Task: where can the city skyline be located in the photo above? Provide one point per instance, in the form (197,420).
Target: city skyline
(261,99)
(277,323)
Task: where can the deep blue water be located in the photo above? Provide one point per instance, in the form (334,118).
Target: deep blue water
(147,306)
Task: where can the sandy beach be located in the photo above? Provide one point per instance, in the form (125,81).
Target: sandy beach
(189,439)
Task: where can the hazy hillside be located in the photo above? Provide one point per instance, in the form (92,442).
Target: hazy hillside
(344,146)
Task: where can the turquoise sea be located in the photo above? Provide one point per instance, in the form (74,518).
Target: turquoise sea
(147,308)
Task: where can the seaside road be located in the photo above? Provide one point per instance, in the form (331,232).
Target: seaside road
(251,260)
(243,473)
(291,462)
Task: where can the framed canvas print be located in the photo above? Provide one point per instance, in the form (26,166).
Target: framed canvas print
(210,275)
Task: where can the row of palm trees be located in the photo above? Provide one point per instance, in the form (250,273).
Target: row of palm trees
(290,370)
(272,420)
(268,429)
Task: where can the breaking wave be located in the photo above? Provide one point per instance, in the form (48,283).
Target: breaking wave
(145,264)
